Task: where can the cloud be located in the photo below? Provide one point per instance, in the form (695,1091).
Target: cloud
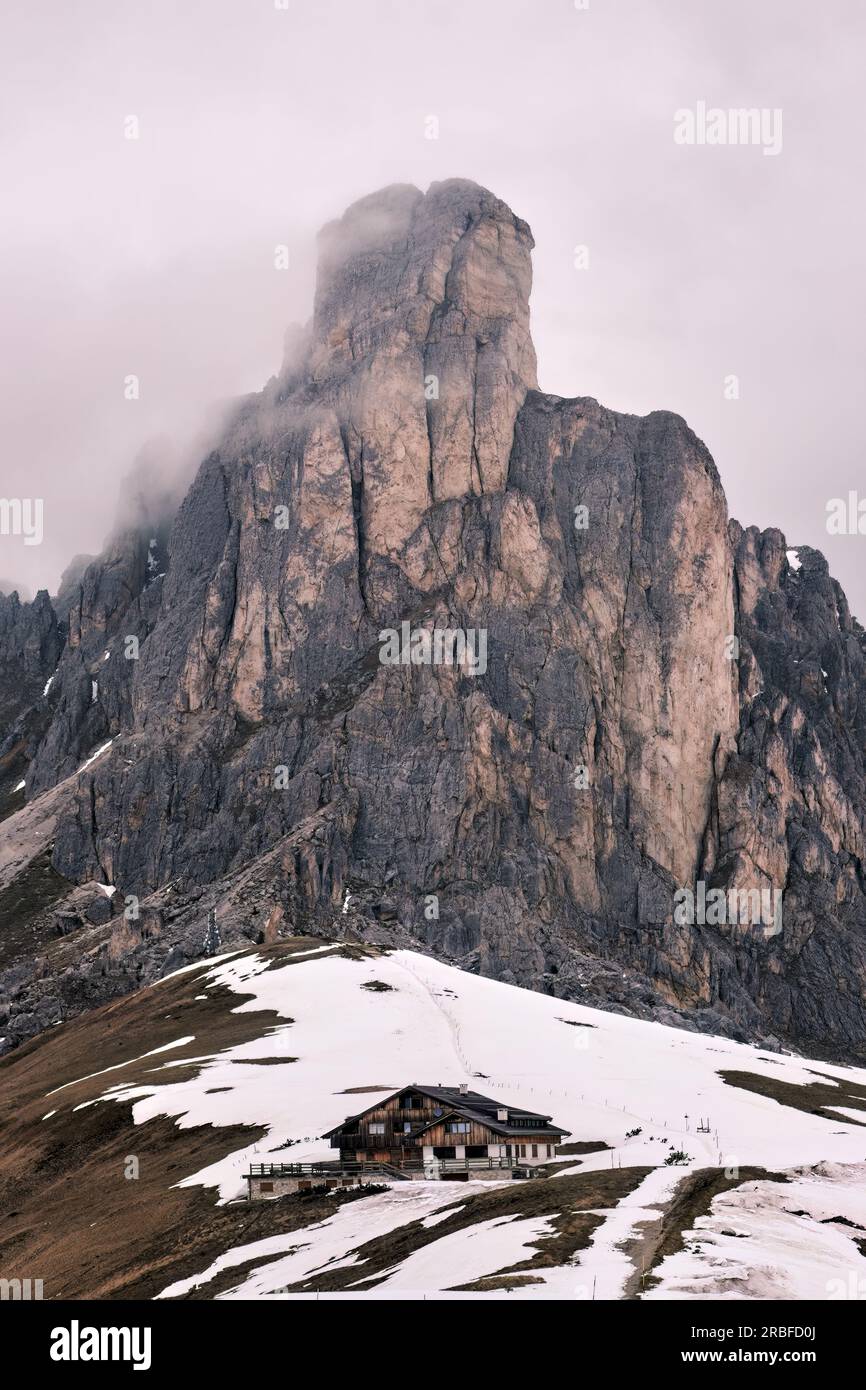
(155,257)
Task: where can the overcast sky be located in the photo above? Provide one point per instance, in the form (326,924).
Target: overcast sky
(155,256)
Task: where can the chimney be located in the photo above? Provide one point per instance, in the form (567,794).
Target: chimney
(502,1114)
(463,1088)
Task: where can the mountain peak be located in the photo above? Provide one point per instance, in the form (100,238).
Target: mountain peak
(401,271)
(666,704)
(421,344)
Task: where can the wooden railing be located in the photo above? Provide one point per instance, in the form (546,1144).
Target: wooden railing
(326,1169)
(400,1168)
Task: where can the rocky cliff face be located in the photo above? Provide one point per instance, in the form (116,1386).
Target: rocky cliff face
(651,697)
(31,646)
(31,641)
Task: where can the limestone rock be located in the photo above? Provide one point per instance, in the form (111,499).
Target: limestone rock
(663,699)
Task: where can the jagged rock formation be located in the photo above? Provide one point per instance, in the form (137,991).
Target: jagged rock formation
(534,819)
(31,646)
(12,586)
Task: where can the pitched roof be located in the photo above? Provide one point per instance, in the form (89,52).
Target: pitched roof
(469,1105)
(502,1127)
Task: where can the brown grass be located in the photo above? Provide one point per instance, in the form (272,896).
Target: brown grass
(26,928)
(692,1199)
(814,1098)
(570,1203)
(68,1214)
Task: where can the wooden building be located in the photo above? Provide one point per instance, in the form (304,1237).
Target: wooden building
(431,1127)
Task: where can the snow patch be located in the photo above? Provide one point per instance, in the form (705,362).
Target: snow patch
(205,963)
(98,754)
(598,1081)
(440,1216)
(769,1240)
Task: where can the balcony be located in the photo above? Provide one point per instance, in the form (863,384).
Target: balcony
(413,1167)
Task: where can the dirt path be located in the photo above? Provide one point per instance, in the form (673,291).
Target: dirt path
(691,1198)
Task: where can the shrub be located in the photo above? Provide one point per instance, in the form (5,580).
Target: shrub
(676,1157)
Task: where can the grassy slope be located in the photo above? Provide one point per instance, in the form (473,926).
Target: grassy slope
(68,1213)
(70,1216)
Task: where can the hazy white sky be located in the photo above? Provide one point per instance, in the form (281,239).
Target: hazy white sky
(156,256)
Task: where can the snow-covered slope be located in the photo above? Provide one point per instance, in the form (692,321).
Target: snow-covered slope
(598,1074)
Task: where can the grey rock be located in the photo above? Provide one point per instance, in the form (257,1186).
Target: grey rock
(532,821)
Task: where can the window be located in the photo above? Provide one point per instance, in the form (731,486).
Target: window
(266,1187)
(535,1151)
(445,1152)
(376,1128)
(476,1150)
(407,1128)
(457,1127)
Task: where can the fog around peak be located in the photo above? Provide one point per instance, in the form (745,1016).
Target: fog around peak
(181,257)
